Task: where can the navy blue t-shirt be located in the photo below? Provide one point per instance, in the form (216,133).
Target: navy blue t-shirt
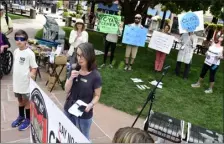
(83,89)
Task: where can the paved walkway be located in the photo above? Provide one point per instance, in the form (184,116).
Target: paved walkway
(106,120)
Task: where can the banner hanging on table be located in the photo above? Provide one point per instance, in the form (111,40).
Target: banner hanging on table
(48,122)
(135,36)
(108,23)
(191,22)
(161,42)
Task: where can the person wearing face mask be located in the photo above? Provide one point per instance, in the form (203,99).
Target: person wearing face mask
(185,54)
(130,49)
(212,62)
(77,36)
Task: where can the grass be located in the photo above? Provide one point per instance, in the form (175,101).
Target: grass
(15,16)
(176,99)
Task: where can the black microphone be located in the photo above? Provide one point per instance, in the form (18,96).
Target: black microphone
(76,67)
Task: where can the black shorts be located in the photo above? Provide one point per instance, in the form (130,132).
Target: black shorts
(25,96)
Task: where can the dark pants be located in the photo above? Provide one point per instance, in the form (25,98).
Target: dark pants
(186,69)
(107,46)
(212,68)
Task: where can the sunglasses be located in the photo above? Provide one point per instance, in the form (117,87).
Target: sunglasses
(20,39)
(137,18)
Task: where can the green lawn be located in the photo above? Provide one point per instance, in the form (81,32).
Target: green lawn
(176,99)
(14,16)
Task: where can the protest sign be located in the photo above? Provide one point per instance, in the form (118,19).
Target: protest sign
(191,21)
(48,122)
(108,23)
(134,35)
(161,42)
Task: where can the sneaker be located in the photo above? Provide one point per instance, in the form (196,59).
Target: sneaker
(196,85)
(129,68)
(208,91)
(126,67)
(24,125)
(111,66)
(17,122)
(103,65)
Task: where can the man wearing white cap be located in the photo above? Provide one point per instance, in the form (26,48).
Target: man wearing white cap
(132,50)
(6,22)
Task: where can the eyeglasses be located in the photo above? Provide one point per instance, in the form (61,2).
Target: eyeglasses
(137,18)
(79,56)
(20,39)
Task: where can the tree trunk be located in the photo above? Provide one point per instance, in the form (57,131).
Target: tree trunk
(214,20)
(93,7)
(163,20)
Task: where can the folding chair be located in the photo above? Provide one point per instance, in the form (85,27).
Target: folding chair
(60,63)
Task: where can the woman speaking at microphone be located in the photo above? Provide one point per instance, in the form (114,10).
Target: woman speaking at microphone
(84,84)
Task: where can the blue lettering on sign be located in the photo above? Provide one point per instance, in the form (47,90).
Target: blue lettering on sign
(190,22)
(134,35)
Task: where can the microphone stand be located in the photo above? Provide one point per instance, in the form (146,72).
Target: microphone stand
(150,98)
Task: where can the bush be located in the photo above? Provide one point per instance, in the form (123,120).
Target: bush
(65,14)
(59,4)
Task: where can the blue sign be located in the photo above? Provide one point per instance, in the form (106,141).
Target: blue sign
(190,22)
(134,35)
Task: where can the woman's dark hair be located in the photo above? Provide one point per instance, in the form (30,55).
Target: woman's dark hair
(22,33)
(89,54)
(167,26)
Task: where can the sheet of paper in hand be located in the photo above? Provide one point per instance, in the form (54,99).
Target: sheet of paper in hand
(74,108)
(109,23)
(161,42)
(135,36)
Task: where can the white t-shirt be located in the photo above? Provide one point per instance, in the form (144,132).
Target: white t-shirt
(82,39)
(212,55)
(112,38)
(23,61)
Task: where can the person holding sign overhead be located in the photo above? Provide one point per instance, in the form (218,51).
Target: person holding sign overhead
(160,56)
(185,54)
(212,62)
(130,49)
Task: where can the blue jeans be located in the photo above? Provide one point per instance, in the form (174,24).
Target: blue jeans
(82,124)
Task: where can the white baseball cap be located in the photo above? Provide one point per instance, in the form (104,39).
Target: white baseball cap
(2,7)
(138,15)
(79,21)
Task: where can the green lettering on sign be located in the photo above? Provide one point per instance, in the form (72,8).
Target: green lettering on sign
(109,23)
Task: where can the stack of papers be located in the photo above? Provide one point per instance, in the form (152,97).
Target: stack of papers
(143,87)
(74,108)
(155,83)
(136,80)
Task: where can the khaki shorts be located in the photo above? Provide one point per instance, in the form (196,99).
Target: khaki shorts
(131,50)
(25,96)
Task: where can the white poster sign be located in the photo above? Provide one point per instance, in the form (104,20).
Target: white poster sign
(191,22)
(161,42)
(48,122)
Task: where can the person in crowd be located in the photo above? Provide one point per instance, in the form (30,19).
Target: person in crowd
(77,36)
(132,50)
(24,68)
(132,135)
(4,43)
(211,63)
(6,22)
(84,84)
(185,54)
(160,56)
(111,41)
